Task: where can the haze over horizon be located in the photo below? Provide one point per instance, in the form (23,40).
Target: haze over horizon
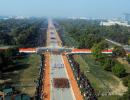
(65,8)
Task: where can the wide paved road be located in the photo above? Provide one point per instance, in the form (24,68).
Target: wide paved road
(57,69)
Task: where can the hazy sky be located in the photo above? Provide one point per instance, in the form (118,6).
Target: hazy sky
(65,8)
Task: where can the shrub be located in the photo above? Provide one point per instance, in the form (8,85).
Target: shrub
(119,70)
(128,58)
(126,80)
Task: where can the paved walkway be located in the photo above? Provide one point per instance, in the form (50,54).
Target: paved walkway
(46,80)
(73,82)
(58,71)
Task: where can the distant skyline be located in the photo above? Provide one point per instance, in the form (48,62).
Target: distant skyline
(65,8)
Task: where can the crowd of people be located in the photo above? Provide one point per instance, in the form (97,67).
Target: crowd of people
(40,83)
(86,89)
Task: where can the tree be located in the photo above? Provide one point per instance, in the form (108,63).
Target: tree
(5,39)
(119,51)
(2,62)
(119,70)
(129,41)
(6,57)
(103,45)
(97,49)
(128,58)
(20,32)
(108,64)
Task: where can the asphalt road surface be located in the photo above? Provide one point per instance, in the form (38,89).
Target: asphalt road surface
(57,69)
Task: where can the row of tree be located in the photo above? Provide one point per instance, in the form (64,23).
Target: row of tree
(117,33)
(90,32)
(21,32)
(85,32)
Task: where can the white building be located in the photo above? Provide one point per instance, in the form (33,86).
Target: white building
(114,22)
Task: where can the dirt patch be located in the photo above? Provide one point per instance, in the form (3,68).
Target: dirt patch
(119,89)
(123,61)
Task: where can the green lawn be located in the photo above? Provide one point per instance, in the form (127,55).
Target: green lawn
(100,80)
(108,98)
(30,74)
(25,73)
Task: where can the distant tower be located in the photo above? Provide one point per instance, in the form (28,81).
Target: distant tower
(127,16)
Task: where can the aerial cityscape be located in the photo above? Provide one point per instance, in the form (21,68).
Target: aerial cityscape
(64,50)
